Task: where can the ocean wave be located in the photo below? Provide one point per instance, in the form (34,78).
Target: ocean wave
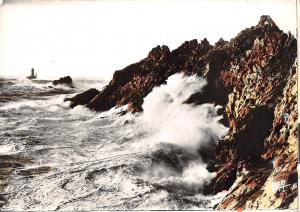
(110,160)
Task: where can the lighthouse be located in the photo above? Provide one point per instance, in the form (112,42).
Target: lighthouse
(32,76)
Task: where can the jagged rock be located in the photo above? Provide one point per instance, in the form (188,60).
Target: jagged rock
(257,144)
(254,77)
(220,42)
(83,98)
(64,81)
(159,53)
(266,20)
(133,83)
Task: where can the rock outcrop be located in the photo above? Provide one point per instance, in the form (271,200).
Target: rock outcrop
(67,81)
(269,180)
(83,98)
(253,76)
(133,83)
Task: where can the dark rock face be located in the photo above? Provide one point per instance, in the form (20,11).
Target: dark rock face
(253,76)
(83,98)
(254,127)
(64,81)
(133,83)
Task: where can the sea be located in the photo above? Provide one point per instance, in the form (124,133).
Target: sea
(79,159)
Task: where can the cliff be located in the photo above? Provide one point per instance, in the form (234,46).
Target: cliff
(253,76)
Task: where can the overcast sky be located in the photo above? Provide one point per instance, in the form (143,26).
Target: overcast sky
(95,38)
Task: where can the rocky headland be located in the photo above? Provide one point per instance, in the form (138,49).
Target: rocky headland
(253,76)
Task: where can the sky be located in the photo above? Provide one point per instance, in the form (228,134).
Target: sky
(92,39)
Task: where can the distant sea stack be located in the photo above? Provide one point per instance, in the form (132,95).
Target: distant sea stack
(253,76)
(67,81)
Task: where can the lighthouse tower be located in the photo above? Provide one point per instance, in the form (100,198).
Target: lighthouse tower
(32,76)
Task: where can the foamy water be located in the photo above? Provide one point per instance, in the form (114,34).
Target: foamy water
(103,160)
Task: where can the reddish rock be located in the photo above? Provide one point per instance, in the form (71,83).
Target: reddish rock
(253,77)
(131,84)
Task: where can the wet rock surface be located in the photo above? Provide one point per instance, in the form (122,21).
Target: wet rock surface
(67,81)
(253,76)
(83,98)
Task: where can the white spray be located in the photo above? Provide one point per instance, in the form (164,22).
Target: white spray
(186,125)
